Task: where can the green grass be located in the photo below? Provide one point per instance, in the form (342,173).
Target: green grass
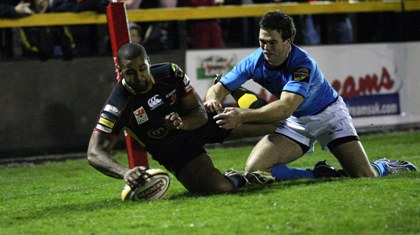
(72,198)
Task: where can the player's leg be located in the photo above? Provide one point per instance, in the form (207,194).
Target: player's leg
(271,150)
(352,158)
(339,134)
(336,131)
(272,153)
(200,176)
(251,130)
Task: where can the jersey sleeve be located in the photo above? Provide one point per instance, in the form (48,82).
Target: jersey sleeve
(299,80)
(108,120)
(242,72)
(112,115)
(182,79)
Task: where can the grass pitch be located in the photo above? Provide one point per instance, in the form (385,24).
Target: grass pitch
(72,198)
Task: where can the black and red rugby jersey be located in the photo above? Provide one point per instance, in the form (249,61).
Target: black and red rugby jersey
(142,115)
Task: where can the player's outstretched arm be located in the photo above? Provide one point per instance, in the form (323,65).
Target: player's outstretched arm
(99,157)
(273,112)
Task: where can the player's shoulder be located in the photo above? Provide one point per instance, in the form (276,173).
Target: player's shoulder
(256,56)
(119,96)
(251,62)
(299,58)
(166,70)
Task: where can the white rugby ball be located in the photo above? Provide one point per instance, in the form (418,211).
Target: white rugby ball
(154,186)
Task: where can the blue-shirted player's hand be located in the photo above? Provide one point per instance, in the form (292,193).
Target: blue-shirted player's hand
(213,106)
(229,118)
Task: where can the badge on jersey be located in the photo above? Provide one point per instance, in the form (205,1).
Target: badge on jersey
(301,75)
(158,133)
(141,115)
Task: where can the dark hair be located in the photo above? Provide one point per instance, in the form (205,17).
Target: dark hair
(130,51)
(277,20)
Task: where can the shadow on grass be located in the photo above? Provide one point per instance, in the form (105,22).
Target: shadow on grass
(267,189)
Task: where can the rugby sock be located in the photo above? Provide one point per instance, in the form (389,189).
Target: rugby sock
(380,167)
(283,172)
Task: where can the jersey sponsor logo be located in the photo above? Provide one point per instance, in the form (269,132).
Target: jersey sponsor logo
(172,96)
(154,102)
(112,109)
(301,74)
(158,133)
(140,115)
(103,128)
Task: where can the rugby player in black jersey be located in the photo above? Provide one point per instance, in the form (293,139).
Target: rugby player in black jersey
(157,106)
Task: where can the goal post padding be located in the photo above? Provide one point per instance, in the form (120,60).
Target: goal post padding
(119,35)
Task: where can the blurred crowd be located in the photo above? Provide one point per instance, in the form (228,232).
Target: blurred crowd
(67,42)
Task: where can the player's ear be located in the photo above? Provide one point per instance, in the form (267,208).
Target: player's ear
(148,60)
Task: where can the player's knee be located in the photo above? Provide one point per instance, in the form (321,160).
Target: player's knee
(225,187)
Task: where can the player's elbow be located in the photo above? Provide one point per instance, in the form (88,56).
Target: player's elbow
(286,114)
(199,120)
(93,156)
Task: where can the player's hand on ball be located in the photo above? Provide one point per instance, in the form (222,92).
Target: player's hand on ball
(132,176)
(153,184)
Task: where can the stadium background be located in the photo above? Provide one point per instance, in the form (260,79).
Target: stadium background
(51,107)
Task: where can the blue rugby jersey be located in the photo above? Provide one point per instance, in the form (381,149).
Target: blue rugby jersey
(298,74)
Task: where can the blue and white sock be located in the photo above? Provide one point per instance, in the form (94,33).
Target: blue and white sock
(283,172)
(380,167)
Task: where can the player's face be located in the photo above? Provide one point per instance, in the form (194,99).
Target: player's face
(137,73)
(135,35)
(275,49)
(41,6)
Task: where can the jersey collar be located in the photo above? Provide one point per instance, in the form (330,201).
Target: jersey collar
(128,87)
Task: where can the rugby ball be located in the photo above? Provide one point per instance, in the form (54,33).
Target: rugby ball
(153,185)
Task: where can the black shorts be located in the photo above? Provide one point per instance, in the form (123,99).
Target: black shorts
(187,146)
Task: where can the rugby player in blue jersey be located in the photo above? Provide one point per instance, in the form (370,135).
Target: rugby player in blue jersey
(308,109)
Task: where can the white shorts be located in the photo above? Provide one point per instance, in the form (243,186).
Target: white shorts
(332,123)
